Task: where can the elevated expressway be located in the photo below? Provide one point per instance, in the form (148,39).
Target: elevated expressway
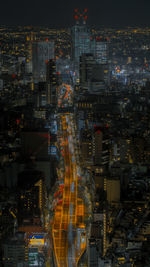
(68,228)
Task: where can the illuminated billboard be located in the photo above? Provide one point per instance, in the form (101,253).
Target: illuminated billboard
(52,150)
(36,240)
(54,127)
(33,258)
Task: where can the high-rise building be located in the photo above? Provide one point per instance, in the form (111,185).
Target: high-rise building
(31,197)
(113,189)
(41,53)
(101,55)
(101,50)
(0,61)
(87,63)
(40,97)
(80,38)
(1,81)
(92,253)
(15,252)
(93,75)
(86,146)
(81,41)
(51,82)
(101,145)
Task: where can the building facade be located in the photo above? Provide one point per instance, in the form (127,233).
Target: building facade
(41,53)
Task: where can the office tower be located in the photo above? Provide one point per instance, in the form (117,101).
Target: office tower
(101,145)
(101,50)
(1,81)
(138,150)
(51,82)
(15,252)
(99,176)
(101,55)
(93,253)
(31,198)
(0,62)
(81,41)
(95,242)
(87,63)
(113,189)
(41,53)
(86,146)
(29,41)
(41,95)
(80,38)
(92,74)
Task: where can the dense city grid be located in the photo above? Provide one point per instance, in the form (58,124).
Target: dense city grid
(74,146)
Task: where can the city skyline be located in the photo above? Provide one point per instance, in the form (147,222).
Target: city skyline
(105,13)
(75,134)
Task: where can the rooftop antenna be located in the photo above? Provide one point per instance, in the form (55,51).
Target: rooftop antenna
(80,17)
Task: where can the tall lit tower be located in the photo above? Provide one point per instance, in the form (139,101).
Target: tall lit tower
(80,37)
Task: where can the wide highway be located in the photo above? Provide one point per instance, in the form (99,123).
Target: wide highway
(68,228)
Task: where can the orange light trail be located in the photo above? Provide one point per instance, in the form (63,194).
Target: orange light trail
(69,212)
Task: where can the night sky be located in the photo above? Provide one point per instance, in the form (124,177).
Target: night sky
(59,13)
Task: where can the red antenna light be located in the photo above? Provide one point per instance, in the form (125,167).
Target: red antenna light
(76,17)
(17,121)
(80,16)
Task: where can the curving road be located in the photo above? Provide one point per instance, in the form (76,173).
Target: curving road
(68,228)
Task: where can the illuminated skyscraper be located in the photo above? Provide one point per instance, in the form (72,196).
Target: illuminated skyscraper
(80,37)
(81,41)
(41,53)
